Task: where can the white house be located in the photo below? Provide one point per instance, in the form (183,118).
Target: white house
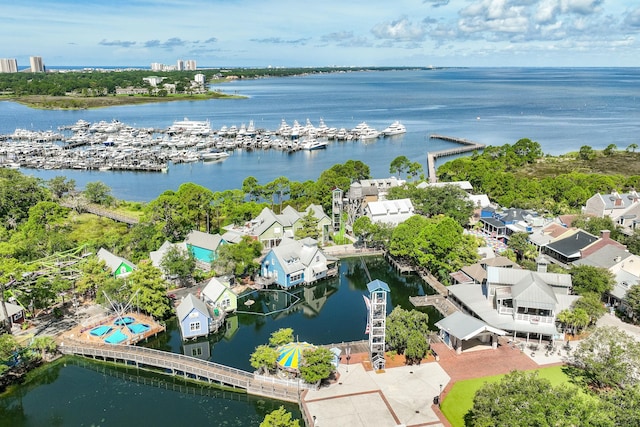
(391,212)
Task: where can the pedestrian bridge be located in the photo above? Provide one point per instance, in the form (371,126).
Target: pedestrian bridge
(190,367)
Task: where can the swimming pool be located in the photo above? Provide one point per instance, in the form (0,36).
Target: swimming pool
(127,320)
(138,328)
(100,331)
(116,338)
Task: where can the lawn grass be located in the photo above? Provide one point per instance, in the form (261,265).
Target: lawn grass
(460,399)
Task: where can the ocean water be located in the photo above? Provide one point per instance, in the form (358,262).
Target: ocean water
(561,108)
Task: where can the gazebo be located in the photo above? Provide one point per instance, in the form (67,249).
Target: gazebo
(460,327)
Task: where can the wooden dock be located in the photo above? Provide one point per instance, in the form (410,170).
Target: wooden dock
(401,267)
(441,303)
(190,367)
(466,146)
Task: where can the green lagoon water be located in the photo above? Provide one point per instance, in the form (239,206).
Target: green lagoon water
(79,392)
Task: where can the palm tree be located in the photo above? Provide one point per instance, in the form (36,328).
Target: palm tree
(632,147)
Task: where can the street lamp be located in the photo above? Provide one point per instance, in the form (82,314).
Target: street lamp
(440,396)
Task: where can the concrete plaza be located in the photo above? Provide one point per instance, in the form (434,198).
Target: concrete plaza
(397,396)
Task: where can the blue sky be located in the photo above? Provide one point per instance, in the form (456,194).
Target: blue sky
(323,32)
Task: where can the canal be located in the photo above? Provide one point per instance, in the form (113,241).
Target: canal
(80,393)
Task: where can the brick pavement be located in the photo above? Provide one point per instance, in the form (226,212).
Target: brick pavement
(481,363)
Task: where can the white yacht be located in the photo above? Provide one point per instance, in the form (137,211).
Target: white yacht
(214,155)
(369,133)
(395,128)
(313,144)
(190,127)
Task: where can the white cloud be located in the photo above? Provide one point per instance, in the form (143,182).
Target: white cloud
(138,32)
(632,19)
(582,7)
(399,30)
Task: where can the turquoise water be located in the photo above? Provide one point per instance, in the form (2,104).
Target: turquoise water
(124,321)
(100,330)
(116,338)
(138,328)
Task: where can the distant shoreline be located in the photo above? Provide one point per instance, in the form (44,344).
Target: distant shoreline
(47,102)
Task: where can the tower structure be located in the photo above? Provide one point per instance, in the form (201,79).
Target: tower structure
(378,291)
(336,208)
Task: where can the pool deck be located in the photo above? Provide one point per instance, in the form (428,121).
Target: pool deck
(83,332)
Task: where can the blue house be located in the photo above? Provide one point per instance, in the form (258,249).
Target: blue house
(204,246)
(193,317)
(297,262)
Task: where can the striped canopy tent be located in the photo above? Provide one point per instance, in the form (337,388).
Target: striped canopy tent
(290,355)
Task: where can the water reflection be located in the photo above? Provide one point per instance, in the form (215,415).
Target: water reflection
(333,311)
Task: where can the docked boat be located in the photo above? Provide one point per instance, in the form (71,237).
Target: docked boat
(368,134)
(214,155)
(313,144)
(395,128)
(190,127)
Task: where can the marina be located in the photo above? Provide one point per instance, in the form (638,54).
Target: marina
(116,146)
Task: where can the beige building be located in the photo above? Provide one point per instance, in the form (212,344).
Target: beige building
(37,66)
(8,65)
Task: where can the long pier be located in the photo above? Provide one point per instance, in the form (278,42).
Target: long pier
(466,146)
(190,367)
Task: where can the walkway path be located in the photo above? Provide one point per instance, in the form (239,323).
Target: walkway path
(612,320)
(189,367)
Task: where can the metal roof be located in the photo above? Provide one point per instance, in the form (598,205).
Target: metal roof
(378,285)
(187,305)
(466,327)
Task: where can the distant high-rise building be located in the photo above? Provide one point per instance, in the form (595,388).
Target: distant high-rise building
(200,79)
(37,66)
(190,64)
(8,65)
(180,65)
(156,66)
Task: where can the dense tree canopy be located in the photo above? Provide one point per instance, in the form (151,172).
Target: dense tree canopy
(524,399)
(149,288)
(279,418)
(437,244)
(449,200)
(281,337)
(239,258)
(587,278)
(499,173)
(316,364)
(372,234)
(18,193)
(264,358)
(406,333)
(178,263)
(633,299)
(610,358)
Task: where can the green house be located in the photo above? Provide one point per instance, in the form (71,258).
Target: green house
(119,266)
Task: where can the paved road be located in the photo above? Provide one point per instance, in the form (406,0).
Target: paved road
(612,320)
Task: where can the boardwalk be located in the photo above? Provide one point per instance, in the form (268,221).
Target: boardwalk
(466,146)
(191,367)
(100,211)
